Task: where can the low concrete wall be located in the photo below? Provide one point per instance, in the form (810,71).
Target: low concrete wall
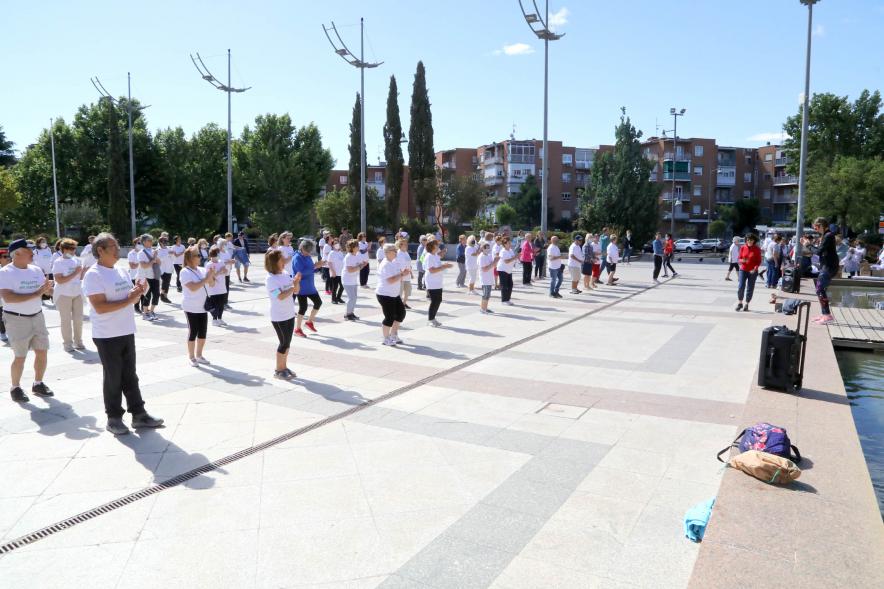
(824,530)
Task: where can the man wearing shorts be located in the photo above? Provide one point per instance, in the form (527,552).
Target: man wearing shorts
(22,286)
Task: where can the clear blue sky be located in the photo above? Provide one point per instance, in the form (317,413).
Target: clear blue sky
(737,67)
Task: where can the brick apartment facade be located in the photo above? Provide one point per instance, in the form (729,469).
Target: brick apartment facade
(375,177)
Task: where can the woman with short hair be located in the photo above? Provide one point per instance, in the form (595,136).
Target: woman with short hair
(196,281)
(167,266)
(149,271)
(178,260)
(350,275)
(363,253)
(68,295)
(203,248)
(132,259)
(612,257)
(387,291)
(281,288)
(471,253)
(303,263)
(218,291)
(750,260)
(505,263)
(486,265)
(435,267)
(404,261)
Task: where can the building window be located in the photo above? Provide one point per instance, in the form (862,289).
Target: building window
(698,191)
(748,160)
(767,193)
(566,213)
(696,209)
(747,176)
(679,192)
(767,177)
(566,177)
(378,177)
(567,159)
(768,157)
(698,151)
(698,170)
(747,194)
(342,179)
(566,197)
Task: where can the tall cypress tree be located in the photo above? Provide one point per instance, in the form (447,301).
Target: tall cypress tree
(117,208)
(393,153)
(355,146)
(421,156)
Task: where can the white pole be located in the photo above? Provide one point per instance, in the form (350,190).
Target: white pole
(544,189)
(131,161)
(802,173)
(362,219)
(229,161)
(54,180)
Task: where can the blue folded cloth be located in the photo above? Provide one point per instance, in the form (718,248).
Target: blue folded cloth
(696,518)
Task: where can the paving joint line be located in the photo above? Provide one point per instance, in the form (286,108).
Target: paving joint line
(214,465)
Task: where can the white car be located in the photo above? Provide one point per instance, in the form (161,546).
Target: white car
(689,245)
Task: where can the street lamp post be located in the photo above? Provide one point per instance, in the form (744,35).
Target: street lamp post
(543,31)
(675,114)
(802,161)
(360,63)
(211,79)
(54,180)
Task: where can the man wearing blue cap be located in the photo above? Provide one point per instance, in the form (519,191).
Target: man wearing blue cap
(22,286)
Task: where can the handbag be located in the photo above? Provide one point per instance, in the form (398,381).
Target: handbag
(157,272)
(209,303)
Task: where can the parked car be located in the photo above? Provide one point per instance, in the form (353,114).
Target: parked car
(713,244)
(689,245)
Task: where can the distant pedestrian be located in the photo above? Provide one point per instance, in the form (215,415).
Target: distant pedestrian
(612,257)
(404,261)
(352,267)
(659,253)
(461,259)
(471,254)
(668,253)
(335,267)
(363,254)
(421,248)
(178,260)
(167,266)
(828,267)
(575,261)
(149,271)
(241,256)
(627,247)
(526,256)
(486,265)
(505,263)
(539,255)
(218,291)
(733,257)
(750,260)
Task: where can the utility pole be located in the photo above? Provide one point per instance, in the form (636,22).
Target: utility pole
(105,94)
(360,63)
(802,170)
(675,114)
(54,180)
(206,75)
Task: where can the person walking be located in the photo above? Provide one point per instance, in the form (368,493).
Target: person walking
(627,246)
(113,331)
(68,295)
(505,263)
(828,268)
(303,263)
(486,265)
(603,241)
(351,274)
(733,257)
(554,263)
(282,288)
(404,261)
(241,256)
(590,261)
(217,291)
(495,251)
(668,252)
(195,281)
(22,287)
(363,254)
(575,261)
(387,291)
(435,268)
(132,259)
(750,260)
(335,267)
(460,254)
(659,252)
(149,271)
(167,266)
(471,254)
(526,256)
(421,249)
(772,260)
(612,256)
(178,260)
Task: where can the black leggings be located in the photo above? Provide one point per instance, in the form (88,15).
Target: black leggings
(218,307)
(284,331)
(667,263)
(2,325)
(117,356)
(198,324)
(165,281)
(526,272)
(302,302)
(658,264)
(363,275)
(337,289)
(435,302)
(152,296)
(394,309)
(506,286)
(178,276)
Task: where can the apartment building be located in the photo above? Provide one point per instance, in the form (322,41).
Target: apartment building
(375,177)
(778,190)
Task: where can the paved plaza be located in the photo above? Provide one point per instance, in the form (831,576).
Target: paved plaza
(557,443)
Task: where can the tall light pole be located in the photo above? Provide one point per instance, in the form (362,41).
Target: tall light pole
(802,161)
(675,114)
(540,27)
(104,93)
(228,87)
(360,63)
(54,180)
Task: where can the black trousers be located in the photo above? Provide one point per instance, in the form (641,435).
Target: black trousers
(363,275)
(667,263)
(198,324)
(165,281)
(526,272)
(658,264)
(178,276)
(539,270)
(394,309)
(302,303)
(218,308)
(138,302)
(337,289)
(435,302)
(284,331)
(117,356)
(506,286)
(152,296)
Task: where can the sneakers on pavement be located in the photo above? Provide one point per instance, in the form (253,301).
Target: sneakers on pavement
(739,307)
(300,333)
(116,426)
(18,395)
(310,326)
(41,390)
(146,420)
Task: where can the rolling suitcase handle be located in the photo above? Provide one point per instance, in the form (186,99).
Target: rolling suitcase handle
(803,312)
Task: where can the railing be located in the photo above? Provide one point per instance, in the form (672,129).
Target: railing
(583,165)
(679,157)
(724,198)
(785,198)
(783,161)
(679,215)
(723,180)
(491,180)
(667,176)
(521,159)
(727,162)
(786,179)
(493,159)
(449,165)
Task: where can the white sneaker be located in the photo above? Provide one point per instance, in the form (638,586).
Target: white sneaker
(397,339)
(194,362)
(434,323)
(222,323)
(483,311)
(216,322)
(508,303)
(202,360)
(389,341)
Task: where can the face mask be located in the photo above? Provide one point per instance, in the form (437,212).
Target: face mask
(139,247)
(337,246)
(68,256)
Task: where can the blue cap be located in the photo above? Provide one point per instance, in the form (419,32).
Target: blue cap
(18,244)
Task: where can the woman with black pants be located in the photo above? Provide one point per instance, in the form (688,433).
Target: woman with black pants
(196,282)
(148,269)
(434,267)
(218,291)
(304,265)
(505,263)
(388,290)
(178,260)
(281,288)
(668,253)
(363,252)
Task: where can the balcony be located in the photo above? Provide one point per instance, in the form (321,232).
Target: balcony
(449,165)
(784,180)
(654,176)
(668,176)
(583,164)
(727,161)
(783,161)
(724,198)
(679,157)
(679,215)
(489,160)
(521,159)
(726,177)
(788,199)
(493,180)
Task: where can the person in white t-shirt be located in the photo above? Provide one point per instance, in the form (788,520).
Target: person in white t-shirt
(575,261)
(612,257)
(379,253)
(86,255)
(285,246)
(363,252)
(178,260)
(167,266)
(148,270)
(326,269)
(22,286)
(505,263)
(404,261)
(352,267)
(43,256)
(435,269)
(554,265)
(486,264)
(217,292)
(132,258)
(471,254)
(4,261)
(496,247)
(335,267)
(733,257)
(196,281)
(281,288)
(225,256)
(387,290)
(111,297)
(68,295)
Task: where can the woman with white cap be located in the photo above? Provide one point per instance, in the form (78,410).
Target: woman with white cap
(390,274)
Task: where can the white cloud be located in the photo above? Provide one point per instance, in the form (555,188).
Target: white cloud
(777,137)
(819,31)
(514,49)
(558,19)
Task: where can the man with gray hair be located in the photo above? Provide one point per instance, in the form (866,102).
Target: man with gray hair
(22,286)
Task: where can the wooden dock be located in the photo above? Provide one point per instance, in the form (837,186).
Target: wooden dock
(857,328)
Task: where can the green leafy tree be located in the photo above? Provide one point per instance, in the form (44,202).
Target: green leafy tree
(355,148)
(7,155)
(10,197)
(393,154)
(742,216)
(457,198)
(620,193)
(717,228)
(506,215)
(527,203)
(850,191)
(421,154)
(118,196)
(339,208)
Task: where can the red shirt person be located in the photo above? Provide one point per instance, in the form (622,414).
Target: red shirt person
(749,260)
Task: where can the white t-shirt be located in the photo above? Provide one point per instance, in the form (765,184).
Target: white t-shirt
(166,260)
(486,277)
(288,252)
(771,252)
(133,259)
(734,253)
(64,267)
(115,285)
(86,256)
(495,249)
(43,259)
(144,259)
(613,253)
(472,259)
(336,262)
(220,271)
(404,261)
(363,251)
(351,261)
(596,252)
(576,251)
(379,255)
(388,269)
(22,281)
(178,254)
(280,310)
(551,252)
(326,250)
(505,263)
(433,280)
(193,301)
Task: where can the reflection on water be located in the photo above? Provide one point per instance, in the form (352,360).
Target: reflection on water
(863,374)
(855,297)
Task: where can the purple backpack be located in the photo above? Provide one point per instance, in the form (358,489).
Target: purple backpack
(765,437)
